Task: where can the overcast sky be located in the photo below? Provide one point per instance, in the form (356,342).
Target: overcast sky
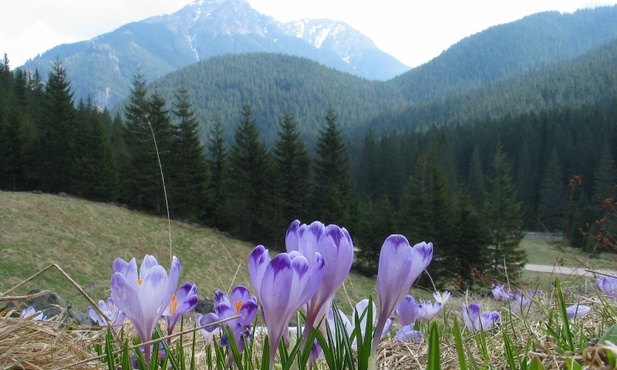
(414,31)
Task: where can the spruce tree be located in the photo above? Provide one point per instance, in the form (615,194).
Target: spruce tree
(475,181)
(96,175)
(503,217)
(553,196)
(604,179)
(427,215)
(377,221)
(188,162)
(59,136)
(249,180)
(216,185)
(292,175)
(471,244)
(162,137)
(139,144)
(332,197)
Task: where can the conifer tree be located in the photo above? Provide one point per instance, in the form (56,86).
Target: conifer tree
(216,185)
(604,179)
(188,162)
(427,215)
(503,217)
(475,181)
(162,136)
(138,143)
(292,175)
(249,175)
(12,174)
(96,175)
(553,196)
(148,138)
(59,135)
(470,244)
(332,197)
(368,177)
(377,221)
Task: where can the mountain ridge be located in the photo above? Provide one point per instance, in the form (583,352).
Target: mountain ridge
(104,65)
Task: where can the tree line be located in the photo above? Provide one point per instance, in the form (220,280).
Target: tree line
(470,188)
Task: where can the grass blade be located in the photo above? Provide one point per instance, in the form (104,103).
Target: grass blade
(433,348)
(458,341)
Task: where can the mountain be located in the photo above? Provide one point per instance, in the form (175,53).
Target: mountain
(220,86)
(103,67)
(509,50)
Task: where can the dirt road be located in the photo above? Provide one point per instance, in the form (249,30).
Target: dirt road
(580,271)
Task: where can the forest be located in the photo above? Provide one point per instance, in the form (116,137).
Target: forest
(472,187)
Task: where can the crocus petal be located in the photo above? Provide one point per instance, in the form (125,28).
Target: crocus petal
(577,310)
(407,311)
(248,312)
(128,269)
(172,280)
(360,310)
(257,263)
(126,297)
(409,335)
(275,297)
(487,319)
(441,297)
(394,265)
(336,248)
(608,285)
(285,284)
(208,334)
(399,266)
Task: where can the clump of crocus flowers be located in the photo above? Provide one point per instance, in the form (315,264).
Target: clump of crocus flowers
(317,260)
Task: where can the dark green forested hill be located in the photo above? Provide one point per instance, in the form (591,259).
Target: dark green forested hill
(588,79)
(508,50)
(273,83)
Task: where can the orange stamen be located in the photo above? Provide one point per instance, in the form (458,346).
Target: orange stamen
(238,306)
(174,304)
(139,281)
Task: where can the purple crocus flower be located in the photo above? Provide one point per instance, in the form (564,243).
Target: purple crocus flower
(442,297)
(283,284)
(577,310)
(407,311)
(32,314)
(399,266)
(208,334)
(427,310)
(476,321)
(144,295)
(409,335)
(242,304)
(114,316)
(184,300)
(608,285)
(501,293)
(520,301)
(334,245)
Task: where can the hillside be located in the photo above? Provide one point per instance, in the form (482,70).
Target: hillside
(220,86)
(84,238)
(508,50)
(586,80)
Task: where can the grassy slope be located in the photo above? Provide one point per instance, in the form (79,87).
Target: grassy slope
(84,238)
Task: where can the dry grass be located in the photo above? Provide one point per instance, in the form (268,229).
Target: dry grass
(30,344)
(84,238)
